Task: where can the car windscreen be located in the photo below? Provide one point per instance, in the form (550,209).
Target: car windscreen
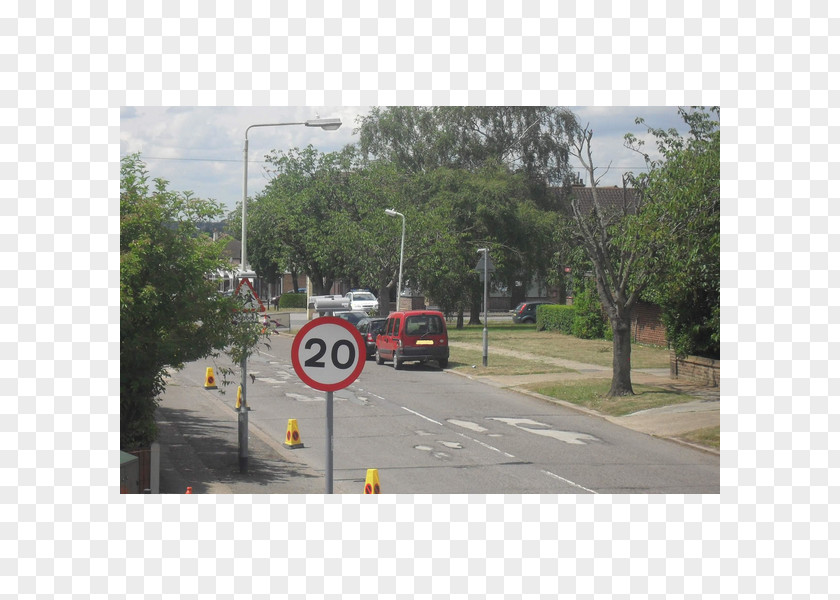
(357,296)
(423,325)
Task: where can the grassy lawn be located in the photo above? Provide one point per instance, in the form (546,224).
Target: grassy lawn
(525,338)
(463,359)
(710,436)
(592,394)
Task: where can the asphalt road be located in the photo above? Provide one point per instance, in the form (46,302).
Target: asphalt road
(432,431)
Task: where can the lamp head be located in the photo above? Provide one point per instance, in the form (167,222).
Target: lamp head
(325,124)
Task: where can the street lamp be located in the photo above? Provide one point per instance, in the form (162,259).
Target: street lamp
(327,125)
(391,212)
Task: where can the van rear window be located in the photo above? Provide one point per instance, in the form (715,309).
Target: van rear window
(423,325)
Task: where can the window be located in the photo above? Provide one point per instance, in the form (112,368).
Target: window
(423,325)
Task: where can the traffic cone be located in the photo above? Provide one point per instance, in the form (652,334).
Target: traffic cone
(293,435)
(372,481)
(189,490)
(239,397)
(210,380)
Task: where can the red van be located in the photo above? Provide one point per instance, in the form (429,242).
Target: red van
(413,335)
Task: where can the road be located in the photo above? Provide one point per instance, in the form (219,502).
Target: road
(432,431)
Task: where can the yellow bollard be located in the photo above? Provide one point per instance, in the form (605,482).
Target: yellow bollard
(293,435)
(372,481)
(210,380)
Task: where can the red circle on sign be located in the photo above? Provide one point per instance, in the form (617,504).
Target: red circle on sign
(319,334)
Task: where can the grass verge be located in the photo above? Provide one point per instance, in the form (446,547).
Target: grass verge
(525,338)
(463,359)
(592,394)
(710,436)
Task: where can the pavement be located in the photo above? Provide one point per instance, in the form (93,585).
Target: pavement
(198,435)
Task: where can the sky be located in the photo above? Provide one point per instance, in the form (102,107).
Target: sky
(200,149)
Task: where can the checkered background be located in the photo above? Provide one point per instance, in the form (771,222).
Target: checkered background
(65,70)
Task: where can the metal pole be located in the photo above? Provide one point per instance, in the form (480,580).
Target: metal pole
(329,469)
(402,246)
(243,426)
(484,336)
(243,409)
(328,125)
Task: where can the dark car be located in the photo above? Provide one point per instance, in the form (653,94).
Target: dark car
(353,316)
(370,329)
(526,312)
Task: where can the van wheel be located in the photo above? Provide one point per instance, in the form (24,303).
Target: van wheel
(379,360)
(397,361)
(443,362)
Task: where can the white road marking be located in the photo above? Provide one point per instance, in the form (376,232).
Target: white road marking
(453,445)
(422,416)
(467,425)
(488,446)
(550,474)
(569,437)
(302,398)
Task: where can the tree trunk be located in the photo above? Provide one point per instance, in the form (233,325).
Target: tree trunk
(621,384)
(459,323)
(475,310)
(384,300)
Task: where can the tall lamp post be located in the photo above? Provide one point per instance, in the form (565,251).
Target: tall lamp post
(393,213)
(327,125)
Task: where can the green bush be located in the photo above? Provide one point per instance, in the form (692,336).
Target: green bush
(292,301)
(556,317)
(589,318)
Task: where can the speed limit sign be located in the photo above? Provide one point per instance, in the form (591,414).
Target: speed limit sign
(328,354)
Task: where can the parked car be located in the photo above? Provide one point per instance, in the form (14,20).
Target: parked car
(526,312)
(413,335)
(370,329)
(362,300)
(353,316)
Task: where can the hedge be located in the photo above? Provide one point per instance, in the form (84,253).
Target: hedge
(556,317)
(292,301)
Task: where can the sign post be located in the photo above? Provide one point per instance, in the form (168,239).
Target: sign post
(328,354)
(251,303)
(483,267)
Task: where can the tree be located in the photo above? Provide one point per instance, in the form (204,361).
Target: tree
(681,218)
(528,139)
(491,166)
(324,214)
(170,312)
(620,270)
(642,238)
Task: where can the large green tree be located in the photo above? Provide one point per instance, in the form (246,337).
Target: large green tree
(324,214)
(169,311)
(681,219)
(460,211)
(642,238)
(462,156)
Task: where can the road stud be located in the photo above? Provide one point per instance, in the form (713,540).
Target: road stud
(293,435)
(372,481)
(210,380)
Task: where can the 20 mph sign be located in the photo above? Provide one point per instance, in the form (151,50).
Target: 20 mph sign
(328,354)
